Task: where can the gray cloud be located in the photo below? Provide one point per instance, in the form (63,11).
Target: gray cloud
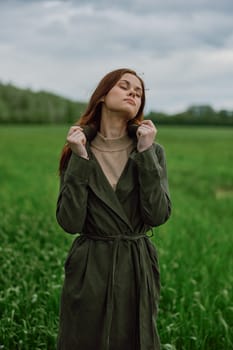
(184,49)
(160,7)
(144,6)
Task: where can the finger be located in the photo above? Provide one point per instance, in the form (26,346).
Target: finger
(77,136)
(76,132)
(143,129)
(73,129)
(147,122)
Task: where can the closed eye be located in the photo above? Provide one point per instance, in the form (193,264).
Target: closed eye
(123,87)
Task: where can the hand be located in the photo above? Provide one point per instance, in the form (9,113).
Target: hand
(146,134)
(76,140)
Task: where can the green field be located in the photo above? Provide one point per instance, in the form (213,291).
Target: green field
(195,246)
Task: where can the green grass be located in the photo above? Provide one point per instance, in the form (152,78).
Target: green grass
(195,246)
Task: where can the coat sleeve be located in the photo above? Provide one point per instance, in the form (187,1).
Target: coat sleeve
(72,199)
(153,185)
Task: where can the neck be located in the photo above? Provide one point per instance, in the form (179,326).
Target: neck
(112,124)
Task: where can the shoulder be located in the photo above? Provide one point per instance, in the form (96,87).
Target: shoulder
(158,148)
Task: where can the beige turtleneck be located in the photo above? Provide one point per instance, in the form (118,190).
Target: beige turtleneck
(112,155)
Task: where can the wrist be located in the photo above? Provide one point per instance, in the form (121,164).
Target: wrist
(80,151)
(142,148)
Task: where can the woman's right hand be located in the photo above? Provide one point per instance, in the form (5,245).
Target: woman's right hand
(76,140)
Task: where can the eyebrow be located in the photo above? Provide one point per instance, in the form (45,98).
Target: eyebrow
(128,83)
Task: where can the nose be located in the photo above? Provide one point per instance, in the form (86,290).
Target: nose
(132,92)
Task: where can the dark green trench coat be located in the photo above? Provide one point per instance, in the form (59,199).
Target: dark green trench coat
(111,289)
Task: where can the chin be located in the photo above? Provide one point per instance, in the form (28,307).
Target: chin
(128,118)
(129,114)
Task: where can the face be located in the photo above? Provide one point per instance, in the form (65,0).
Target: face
(125,97)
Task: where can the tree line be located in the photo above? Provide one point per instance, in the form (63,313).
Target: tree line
(26,106)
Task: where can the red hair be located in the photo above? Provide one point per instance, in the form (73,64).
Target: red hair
(92,114)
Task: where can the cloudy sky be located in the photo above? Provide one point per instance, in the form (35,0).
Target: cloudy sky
(183,49)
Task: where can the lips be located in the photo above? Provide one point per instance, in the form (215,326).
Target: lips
(130,101)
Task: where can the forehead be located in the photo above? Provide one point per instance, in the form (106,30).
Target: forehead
(132,79)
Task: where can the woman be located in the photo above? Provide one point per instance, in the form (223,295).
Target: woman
(113,191)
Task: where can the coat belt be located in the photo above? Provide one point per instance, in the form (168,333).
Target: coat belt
(124,237)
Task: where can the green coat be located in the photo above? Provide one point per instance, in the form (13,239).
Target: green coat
(111,288)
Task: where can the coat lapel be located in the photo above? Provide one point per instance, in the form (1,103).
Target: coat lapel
(104,191)
(127,181)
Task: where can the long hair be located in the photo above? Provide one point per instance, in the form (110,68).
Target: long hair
(92,115)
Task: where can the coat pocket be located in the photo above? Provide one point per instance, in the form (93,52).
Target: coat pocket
(77,242)
(154,265)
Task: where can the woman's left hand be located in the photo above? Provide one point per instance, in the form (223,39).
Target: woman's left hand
(146,134)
